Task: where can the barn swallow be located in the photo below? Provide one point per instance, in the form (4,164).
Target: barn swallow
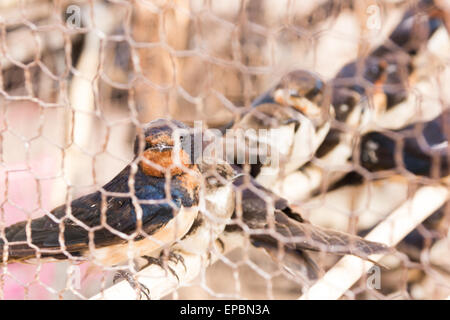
(416,29)
(277,226)
(153,201)
(388,69)
(368,94)
(385,75)
(296,113)
(392,158)
(305,92)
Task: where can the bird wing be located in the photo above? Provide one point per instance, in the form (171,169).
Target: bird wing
(286,228)
(59,229)
(296,238)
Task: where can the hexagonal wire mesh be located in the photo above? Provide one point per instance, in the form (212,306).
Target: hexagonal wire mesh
(79,79)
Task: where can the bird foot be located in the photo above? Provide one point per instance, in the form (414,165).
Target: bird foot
(175,258)
(128,276)
(171,256)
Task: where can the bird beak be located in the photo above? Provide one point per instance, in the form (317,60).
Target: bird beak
(265,98)
(298,102)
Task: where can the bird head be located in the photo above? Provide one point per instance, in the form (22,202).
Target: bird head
(164,146)
(217,173)
(305,92)
(352,86)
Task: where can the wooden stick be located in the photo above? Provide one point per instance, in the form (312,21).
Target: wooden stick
(80,122)
(161,282)
(391,231)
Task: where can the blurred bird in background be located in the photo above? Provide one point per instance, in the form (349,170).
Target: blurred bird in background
(369,94)
(368,127)
(296,114)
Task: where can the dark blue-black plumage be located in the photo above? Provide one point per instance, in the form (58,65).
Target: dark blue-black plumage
(422,148)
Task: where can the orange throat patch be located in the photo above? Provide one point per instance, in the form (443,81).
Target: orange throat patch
(159,162)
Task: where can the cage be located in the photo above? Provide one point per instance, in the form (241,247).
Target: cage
(80,79)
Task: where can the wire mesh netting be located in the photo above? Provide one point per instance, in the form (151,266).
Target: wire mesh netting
(353,94)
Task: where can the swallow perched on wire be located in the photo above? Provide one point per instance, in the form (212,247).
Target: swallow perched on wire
(418,154)
(416,27)
(366,90)
(153,202)
(281,231)
(296,114)
(351,89)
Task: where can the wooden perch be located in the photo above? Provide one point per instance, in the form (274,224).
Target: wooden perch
(79,117)
(391,231)
(161,282)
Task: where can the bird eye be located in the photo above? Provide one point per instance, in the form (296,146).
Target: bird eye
(213,181)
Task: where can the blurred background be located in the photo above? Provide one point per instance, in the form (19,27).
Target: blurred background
(77,77)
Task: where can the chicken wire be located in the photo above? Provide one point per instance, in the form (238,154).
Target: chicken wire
(78,78)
